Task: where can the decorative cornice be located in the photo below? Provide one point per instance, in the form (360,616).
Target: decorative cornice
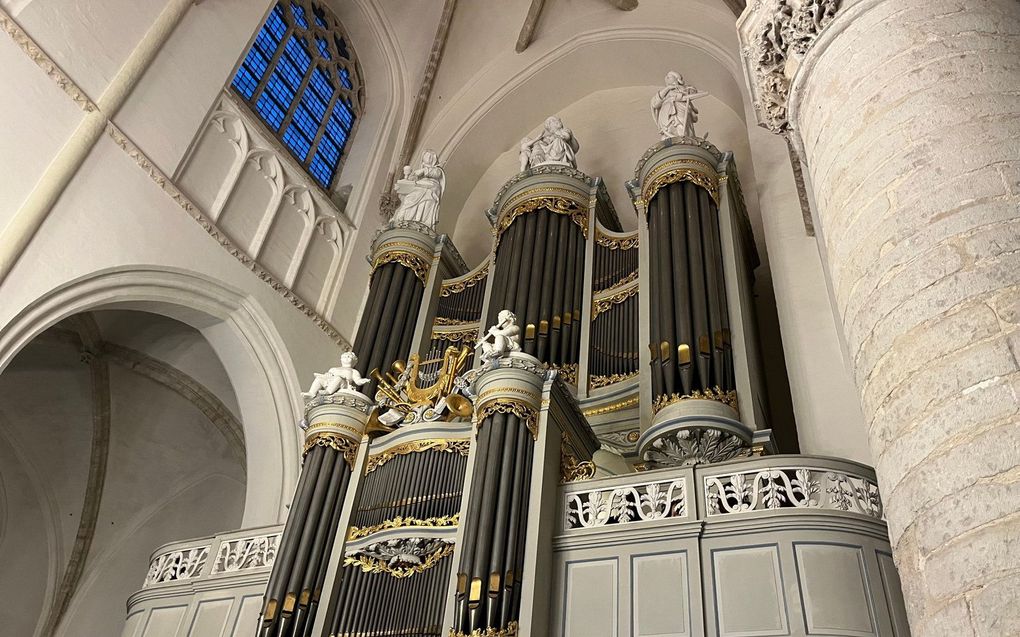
(547,169)
(626,403)
(606,240)
(448,445)
(170,188)
(414,262)
(45,62)
(686,169)
(575,209)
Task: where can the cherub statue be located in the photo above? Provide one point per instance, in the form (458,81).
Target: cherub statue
(421,189)
(672,107)
(505,337)
(343,378)
(555,145)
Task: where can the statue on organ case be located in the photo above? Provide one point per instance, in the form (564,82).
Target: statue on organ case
(555,145)
(505,337)
(672,107)
(421,191)
(343,378)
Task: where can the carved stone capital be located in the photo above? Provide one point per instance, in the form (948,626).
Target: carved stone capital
(774,37)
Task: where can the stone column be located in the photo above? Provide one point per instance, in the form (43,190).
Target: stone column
(907,114)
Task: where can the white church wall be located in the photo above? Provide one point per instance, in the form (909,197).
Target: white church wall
(829,417)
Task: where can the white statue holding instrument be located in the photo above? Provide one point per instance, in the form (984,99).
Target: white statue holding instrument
(502,338)
(673,108)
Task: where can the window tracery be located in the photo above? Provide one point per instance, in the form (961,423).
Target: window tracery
(302,78)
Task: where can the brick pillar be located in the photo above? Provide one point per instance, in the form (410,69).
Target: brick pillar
(908,116)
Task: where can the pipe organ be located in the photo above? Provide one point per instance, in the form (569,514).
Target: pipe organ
(425,510)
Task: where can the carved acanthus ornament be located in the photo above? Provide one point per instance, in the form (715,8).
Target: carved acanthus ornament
(616,243)
(777,47)
(712,393)
(414,262)
(176,565)
(567,372)
(792,487)
(677,170)
(468,335)
(401,557)
(509,631)
(400,522)
(458,445)
(626,403)
(687,447)
(247,553)
(626,504)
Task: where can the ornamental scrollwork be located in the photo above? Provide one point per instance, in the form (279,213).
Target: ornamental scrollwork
(567,372)
(712,393)
(342,444)
(572,469)
(792,487)
(458,285)
(616,243)
(416,263)
(247,553)
(576,210)
(512,407)
(400,557)
(626,403)
(509,631)
(598,381)
(603,304)
(176,565)
(399,522)
(448,445)
(626,504)
(695,172)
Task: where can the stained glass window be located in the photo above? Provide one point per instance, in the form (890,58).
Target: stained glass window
(301,78)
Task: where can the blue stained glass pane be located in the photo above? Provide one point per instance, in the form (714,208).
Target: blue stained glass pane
(321,85)
(299,14)
(322,170)
(345,78)
(276,23)
(305,122)
(270,110)
(323,48)
(343,111)
(296,141)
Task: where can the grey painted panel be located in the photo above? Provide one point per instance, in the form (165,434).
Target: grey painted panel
(591,599)
(661,601)
(248,616)
(165,621)
(834,588)
(211,617)
(748,592)
(893,594)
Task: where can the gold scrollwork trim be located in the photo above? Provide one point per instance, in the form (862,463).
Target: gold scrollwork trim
(449,445)
(605,303)
(610,408)
(442,320)
(456,286)
(315,427)
(568,372)
(602,381)
(343,444)
(399,522)
(373,565)
(630,278)
(576,210)
(469,335)
(614,243)
(508,390)
(571,470)
(692,170)
(712,393)
(512,407)
(414,262)
(509,631)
